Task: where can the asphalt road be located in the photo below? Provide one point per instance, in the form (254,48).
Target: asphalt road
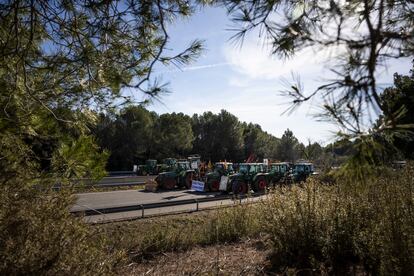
(166,210)
(100,200)
(119,180)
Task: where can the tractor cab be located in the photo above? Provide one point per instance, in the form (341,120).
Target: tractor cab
(281,168)
(225,167)
(301,171)
(183,165)
(181,176)
(150,168)
(170,162)
(151,165)
(257,168)
(213,178)
(195,161)
(168,165)
(278,171)
(250,176)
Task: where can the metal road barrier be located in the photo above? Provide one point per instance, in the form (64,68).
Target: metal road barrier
(119,209)
(114,181)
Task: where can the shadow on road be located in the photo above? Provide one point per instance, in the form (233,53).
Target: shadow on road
(176,193)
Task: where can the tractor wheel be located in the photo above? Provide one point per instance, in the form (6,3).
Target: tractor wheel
(214,186)
(239,187)
(260,185)
(188,180)
(169,183)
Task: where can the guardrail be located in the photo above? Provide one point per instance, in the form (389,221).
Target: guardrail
(143,207)
(121,173)
(115,181)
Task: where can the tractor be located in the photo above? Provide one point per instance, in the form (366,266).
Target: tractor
(213,178)
(150,168)
(182,176)
(250,176)
(301,171)
(195,163)
(277,172)
(168,165)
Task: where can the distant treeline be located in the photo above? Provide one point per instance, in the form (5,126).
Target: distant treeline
(136,134)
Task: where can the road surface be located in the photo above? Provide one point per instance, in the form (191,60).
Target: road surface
(166,210)
(87,202)
(100,200)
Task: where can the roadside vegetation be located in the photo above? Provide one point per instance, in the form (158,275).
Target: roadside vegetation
(346,227)
(64,63)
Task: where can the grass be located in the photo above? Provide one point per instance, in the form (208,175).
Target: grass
(339,228)
(143,239)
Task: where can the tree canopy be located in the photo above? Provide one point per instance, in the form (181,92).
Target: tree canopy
(362,35)
(60,60)
(136,134)
(64,62)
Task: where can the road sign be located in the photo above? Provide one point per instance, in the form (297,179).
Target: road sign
(197,186)
(223,183)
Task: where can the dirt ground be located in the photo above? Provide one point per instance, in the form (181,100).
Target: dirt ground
(244,258)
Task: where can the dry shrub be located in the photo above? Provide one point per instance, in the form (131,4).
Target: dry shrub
(342,227)
(144,239)
(312,227)
(232,224)
(39,236)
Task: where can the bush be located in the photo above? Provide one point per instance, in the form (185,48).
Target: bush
(144,239)
(340,228)
(38,235)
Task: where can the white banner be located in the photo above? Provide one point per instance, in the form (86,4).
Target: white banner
(197,186)
(223,183)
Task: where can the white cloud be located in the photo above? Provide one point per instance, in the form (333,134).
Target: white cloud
(239,82)
(255,62)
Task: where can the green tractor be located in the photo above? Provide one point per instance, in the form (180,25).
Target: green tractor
(278,172)
(195,162)
(182,176)
(168,165)
(150,168)
(213,178)
(301,171)
(250,176)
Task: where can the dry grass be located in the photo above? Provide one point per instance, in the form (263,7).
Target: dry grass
(242,258)
(363,227)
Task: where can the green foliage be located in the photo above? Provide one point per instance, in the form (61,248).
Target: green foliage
(173,135)
(398,101)
(80,158)
(218,137)
(288,148)
(37,233)
(360,36)
(259,142)
(59,60)
(128,136)
(135,135)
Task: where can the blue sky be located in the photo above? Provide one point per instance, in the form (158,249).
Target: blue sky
(246,81)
